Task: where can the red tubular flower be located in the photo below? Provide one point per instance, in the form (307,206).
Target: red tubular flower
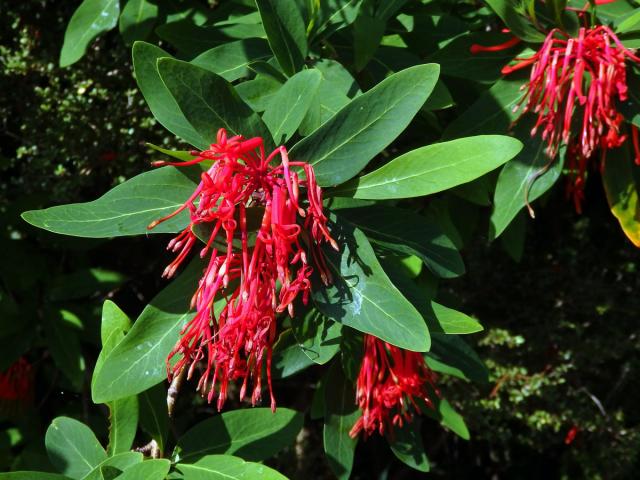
(16,386)
(586,74)
(389,383)
(258,275)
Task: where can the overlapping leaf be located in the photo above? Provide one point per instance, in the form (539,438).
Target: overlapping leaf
(434,168)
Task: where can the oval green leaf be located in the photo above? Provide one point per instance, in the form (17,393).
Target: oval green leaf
(230,60)
(138,361)
(73,448)
(255,434)
(406,232)
(362,296)
(407,445)
(90,19)
(532,169)
(125,210)
(340,414)
(162,105)
(345,143)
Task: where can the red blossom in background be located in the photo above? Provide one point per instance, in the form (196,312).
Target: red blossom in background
(258,275)
(390,381)
(16,386)
(571,435)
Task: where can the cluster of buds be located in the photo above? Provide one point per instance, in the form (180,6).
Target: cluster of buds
(390,384)
(257,274)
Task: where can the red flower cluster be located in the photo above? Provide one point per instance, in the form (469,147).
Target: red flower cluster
(389,383)
(258,273)
(16,385)
(587,73)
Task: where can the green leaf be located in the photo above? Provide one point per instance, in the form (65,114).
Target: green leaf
(155,469)
(532,169)
(64,346)
(286,33)
(90,19)
(518,24)
(289,106)
(340,414)
(267,69)
(317,336)
(138,362)
(191,40)
(83,283)
(621,188)
(137,20)
(161,103)
(406,232)
(514,236)
(440,98)
(630,24)
(257,93)
(72,447)
(456,59)
(454,322)
(449,418)
(113,466)
(451,355)
(123,424)
(439,318)
(226,467)
(288,357)
(492,113)
(344,144)
(154,418)
(332,15)
(115,324)
(254,435)
(336,88)
(367,34)
(434,168)
(32,476)
(408,447)
(209,102)
(182,155)
(613,13)
(230,60)
(362,296)
(125,210)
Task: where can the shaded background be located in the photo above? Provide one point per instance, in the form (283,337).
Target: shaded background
(561,338)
